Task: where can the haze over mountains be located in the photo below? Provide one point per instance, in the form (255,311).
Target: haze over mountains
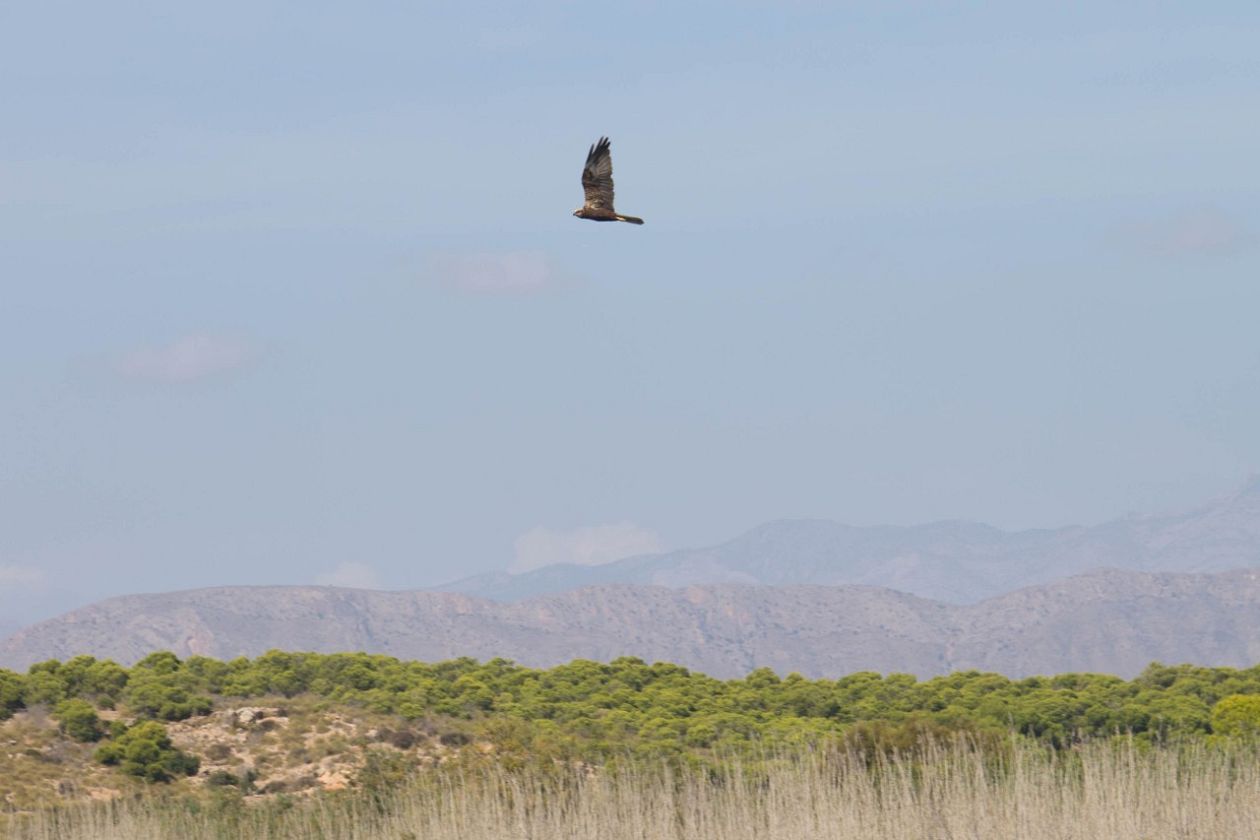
(793,596)
(953,561)
(1115,622)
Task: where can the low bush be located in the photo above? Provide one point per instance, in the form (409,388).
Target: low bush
(145,751)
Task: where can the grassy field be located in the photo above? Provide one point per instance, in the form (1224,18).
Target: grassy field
(1113,791)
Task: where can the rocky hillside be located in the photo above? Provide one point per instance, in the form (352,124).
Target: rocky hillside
(1114,622)
(959,562)
(298,748)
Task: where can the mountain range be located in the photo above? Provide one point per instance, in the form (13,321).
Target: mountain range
(1112,621)
(812,596)
(953,561)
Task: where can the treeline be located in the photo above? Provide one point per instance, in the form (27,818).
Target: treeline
(590,708)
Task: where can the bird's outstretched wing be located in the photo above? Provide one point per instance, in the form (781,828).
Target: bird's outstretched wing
(597,181)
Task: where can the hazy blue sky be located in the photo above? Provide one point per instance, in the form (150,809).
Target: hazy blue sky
(292,293)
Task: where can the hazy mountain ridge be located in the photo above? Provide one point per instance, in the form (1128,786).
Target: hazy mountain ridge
(954,561)
(1113,621)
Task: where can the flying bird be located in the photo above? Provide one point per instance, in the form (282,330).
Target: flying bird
(597,183)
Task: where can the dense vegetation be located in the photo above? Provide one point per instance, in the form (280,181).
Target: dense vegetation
(595,710)
(625,708)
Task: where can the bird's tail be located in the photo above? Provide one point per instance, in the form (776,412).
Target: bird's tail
(634,220)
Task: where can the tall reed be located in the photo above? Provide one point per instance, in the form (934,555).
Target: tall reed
(1102,791)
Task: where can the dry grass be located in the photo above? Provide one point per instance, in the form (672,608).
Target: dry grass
(40,769)
(1100,792)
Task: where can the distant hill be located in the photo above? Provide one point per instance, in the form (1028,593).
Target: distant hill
(958,562)
(1115,622)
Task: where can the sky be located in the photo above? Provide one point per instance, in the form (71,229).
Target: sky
(291,293)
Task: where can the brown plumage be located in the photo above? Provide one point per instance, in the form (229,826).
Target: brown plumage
(597,183)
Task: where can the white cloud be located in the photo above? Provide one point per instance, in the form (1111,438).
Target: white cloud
(512,272)
(593,545)
(1198,232)
(351,576)
(13,577)
(192,357)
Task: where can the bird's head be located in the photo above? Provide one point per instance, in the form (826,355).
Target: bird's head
(578,212)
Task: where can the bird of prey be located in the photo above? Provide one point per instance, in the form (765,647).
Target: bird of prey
(597,183)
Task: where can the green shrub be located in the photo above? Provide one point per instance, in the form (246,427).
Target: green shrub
(11,692)
(145,751)
(222,778)
(44,684)
(101,681)
(164,697)
(1237,716)
(79,720)
(225,778)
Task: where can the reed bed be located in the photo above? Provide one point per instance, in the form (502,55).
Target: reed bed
(1102,791)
